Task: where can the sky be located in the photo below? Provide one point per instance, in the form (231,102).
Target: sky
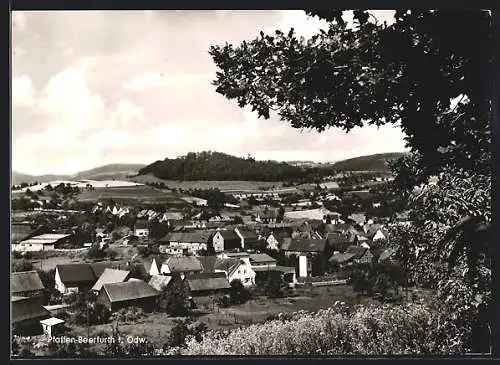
(96,87)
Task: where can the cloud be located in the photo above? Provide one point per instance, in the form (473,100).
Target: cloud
(145,81)
(91,88)
(23,92)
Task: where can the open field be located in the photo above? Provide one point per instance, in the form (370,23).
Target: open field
(201,184)
(134,194)
(156,327)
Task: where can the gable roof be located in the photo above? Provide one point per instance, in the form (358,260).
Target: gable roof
(261,258)
(208,281)
(129,290)
(111,276)
(76,273)
(229,235)
(248,234)
(159,282)
(183,264)
(99,267)
(25,281)
(340,241)
(27,308)
(305,245)
(228,265)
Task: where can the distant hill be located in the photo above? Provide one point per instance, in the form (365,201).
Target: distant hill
(377,162)
(221,167)
(106,172)
(109,172)
(18,178)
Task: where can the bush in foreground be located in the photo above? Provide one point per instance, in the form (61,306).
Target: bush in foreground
(410,329)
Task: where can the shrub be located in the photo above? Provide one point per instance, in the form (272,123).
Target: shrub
(373,330)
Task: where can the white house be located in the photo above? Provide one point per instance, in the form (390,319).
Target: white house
(236,269)
(226,240)
(44,242)
(378,236)
(141,228)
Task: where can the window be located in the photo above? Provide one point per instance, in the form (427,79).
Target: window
(239,271)
(244,271)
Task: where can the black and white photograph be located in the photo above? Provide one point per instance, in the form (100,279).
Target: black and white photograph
(251,182)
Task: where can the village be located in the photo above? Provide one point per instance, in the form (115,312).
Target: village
(109,264)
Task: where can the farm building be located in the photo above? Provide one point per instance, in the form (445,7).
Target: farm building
(184,242)
(26,314)
(74,278)
(288,273)
(226,240)
(262,260)
(110,276)
(26,284)
(115,296)
(205,284)
(44,242)
(310,214)
(185,265)
(249,239)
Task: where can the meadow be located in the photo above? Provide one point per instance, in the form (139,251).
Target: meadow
(131,194)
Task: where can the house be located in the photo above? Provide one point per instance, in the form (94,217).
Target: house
(52,326)
(160,282)
(243,256)
(26,284)
(312,254)
(26,314)
(226,240)
(141,228)
(205,284)
(249,239)
(44,242)
(236,269)
(156,264)
(181,243)
(266,215)
(110,276)
(138,293)
(304,245)
(287,273)
(262,260)
(74,278)
(275,240)
(185,265)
